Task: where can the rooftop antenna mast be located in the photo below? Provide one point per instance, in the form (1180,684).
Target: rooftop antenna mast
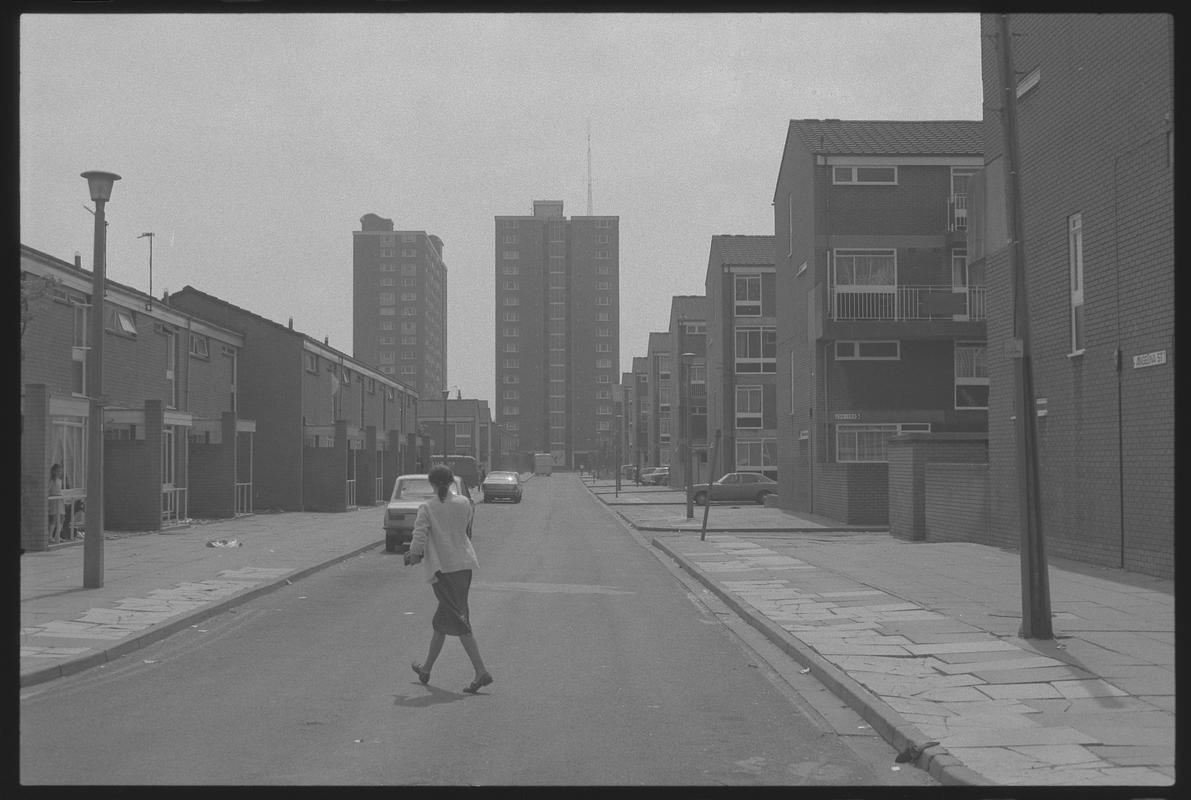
(589,167)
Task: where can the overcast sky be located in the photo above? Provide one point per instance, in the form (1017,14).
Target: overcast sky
(251,144)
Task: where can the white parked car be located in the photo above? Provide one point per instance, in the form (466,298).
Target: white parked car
(409,492)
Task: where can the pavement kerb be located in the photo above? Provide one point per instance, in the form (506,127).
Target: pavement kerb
(185,620)
(895,730)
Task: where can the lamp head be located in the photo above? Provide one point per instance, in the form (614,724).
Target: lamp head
(100,184)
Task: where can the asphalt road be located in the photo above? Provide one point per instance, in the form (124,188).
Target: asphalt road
(608,671)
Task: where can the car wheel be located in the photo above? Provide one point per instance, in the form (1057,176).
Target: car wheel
(700,498)
(516,499)
(761,495)
(486,500)
(390,542)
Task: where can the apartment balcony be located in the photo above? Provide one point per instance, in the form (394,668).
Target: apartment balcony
(957,212)
(904,312)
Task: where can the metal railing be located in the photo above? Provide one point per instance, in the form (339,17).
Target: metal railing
(351,492)
(378,490)
(958,208)
(906,303)
(243,498)
(173,506)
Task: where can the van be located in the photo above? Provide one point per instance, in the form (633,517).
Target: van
(543,463)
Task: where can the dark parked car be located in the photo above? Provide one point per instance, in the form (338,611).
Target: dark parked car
(501,485)
(736,487)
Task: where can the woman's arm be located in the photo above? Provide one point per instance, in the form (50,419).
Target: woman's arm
(417,545)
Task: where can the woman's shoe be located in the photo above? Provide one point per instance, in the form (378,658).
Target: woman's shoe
(478,683)
(423,675)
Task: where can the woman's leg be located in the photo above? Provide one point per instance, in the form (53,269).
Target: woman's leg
(473,652)
(436,642)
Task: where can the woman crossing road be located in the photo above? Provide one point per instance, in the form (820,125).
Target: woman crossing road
(442,538)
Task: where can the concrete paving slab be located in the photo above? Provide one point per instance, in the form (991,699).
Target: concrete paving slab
(1016,737)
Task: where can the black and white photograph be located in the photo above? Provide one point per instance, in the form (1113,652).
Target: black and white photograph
(419,396)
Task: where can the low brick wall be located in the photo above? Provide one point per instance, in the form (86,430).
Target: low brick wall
(956,502)
(854,494)
(910,454)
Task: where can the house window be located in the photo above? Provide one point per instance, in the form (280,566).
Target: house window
(748,296)
(409,252)
(510,238)
(512,316)
(311,363)
(1029,81)
(512,332)
(171,368)
(603,238)
(756,350)
(387,324)
(603,269)
(388,267)
(604,410)
(603,255)
(409,297)
(511,394)
(756,455)
(512,411)
(971,375)
(603,223)
(387,340)
(603,316)
(856,442)
(79,348)
(121,321)
(510,269)
(198,346)
(512,300)
(603,301)
(603,347)
(603,426)
(511,347)
(511,379)
(603,363)
(1075,262)
(388,282)
(604,285)
(409,370)
(882,176)
(388,311)
(510,286)
(603,379)
(748,406)
(874,350)
(512,363)
(510,255)
(387,298)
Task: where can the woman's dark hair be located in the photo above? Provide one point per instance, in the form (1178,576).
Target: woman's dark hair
(441,479)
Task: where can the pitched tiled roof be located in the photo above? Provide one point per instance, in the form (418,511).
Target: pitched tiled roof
(889,137)
(744,249)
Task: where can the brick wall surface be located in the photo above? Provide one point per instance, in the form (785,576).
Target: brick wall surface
(956,502)
(1094,141)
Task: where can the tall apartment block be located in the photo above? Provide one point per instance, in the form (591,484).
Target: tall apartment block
(557,331)
(399,304)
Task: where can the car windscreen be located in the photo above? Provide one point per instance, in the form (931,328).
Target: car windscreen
(414,489)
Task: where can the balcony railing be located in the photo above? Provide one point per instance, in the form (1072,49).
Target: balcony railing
(957,219)
(906,303)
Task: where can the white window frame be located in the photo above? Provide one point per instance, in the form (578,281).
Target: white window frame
(746,397)
(749,306)
(764,364)
(853,350)
(875,447)
(198,346)
(765,447)
(850,175)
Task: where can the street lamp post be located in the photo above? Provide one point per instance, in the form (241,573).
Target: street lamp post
(445,394)
(100,186)
(619,417)
(150,235)
(685,421)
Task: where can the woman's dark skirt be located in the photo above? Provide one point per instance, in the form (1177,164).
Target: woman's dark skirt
(452,615)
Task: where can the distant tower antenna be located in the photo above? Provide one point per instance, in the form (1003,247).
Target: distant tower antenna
(589,167)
